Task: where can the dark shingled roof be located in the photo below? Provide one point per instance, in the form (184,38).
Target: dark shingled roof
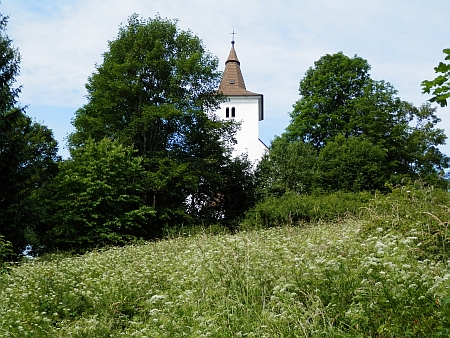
(232,83)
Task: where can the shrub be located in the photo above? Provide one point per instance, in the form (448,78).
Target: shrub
(292,208)
(416,210)
(6,252)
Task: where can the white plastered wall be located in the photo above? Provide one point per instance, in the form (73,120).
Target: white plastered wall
(247,110)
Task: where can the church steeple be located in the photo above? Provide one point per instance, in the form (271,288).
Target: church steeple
(243,106)
(232,80)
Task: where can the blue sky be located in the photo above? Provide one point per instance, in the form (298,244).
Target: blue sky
(276,42)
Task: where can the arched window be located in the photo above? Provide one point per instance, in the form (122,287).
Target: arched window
(227,112)
(233,112)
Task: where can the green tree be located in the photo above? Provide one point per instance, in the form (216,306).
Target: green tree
(328,95)
(232,191)
(156,91)
(440,86)
(338,97)
(351,164)
(9,69)
(152,76)
(96,198)
(422,142)
(27,154)
(288,166)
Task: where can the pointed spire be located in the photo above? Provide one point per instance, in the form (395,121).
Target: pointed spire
(232,57)
(232,80)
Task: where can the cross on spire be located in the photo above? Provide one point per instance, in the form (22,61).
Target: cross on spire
(232,41)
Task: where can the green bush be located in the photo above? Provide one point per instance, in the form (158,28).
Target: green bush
(294,209)
(416,210)
(6,252)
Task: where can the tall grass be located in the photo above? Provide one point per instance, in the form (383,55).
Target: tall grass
(360,277)
(327,280)
(422,211)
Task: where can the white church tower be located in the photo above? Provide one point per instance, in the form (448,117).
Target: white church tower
(243,106)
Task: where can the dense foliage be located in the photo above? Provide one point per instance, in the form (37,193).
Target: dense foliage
(6,251)
(351,164)
(422,211)
(440,86)
(27,154)
(96,199)
(297,209)
(151,90)
(363,133)
(9,69)
(332,95)
(287,166)
(233,191)
(415,207)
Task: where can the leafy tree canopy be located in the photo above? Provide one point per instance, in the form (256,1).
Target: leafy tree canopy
(440,86)
(351,164)
(96,199)
(288,166)
(151,73)
(338,97)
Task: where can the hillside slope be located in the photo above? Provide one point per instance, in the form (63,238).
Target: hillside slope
(325,279)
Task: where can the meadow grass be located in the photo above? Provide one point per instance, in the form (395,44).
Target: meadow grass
(320,280)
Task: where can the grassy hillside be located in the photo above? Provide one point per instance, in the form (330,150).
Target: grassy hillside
(360,277)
